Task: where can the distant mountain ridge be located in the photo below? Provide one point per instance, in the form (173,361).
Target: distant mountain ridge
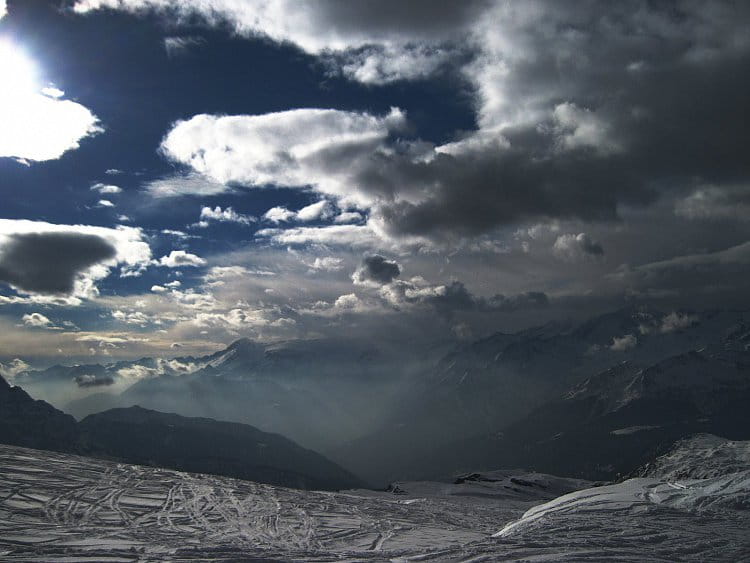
(504,401)
(386,419)
(142,436)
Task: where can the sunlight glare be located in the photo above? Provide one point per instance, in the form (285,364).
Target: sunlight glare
(18,72)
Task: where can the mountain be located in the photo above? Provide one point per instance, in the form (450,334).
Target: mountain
(208,446)
(615,421)
(318,392)
(33,424)
(497,393)
(136,435)
(383,411)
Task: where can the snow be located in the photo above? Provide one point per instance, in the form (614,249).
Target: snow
(693,504)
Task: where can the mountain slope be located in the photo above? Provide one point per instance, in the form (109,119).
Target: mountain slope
(617,420)
(33,424)
(208,446)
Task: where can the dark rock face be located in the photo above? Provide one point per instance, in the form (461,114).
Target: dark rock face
(34,424)
(207,446)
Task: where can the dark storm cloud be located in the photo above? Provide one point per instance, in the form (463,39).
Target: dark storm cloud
(416,18)
(625,102)
(376,270)
(49,263)
(455,297)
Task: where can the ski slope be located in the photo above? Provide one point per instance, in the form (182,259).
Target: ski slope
(59,507)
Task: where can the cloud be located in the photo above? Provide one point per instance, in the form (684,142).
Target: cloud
(578,117)
(13,368)
(3,8)
(106,188)
(581,128)
(327,263)
(374,42)
(93,381)
(227,215)
(105,203)
(175,46)
(348,302)
(709,272)
(375,271)
(622,343)
(454,297)
(576,248)
(716,202)
(292,148)
(315,211)
(37,320)
(188,184)
(279,215)
(181,259)
(37,126)
(218,273)
(57,260)
(357,236)
(348,217)
(676,321)
(51,263)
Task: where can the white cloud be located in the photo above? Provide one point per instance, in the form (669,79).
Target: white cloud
(348,217)
(105,203)
(293,148)
(106,188)
(178,234)
(218,273)
(675,321)
(582,128)
(327,264)
(181,259)
(175,46)
(319,210)
(3,8)
(13,368)
(315,211)
(279,215)
(350,235)
(36,320)
(577,248)
(37,127)
(622,343)
(190,184)
(349,301)
(227,215)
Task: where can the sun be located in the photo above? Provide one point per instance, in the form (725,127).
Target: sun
(18,72)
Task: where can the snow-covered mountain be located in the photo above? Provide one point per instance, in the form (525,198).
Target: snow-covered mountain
(388,415)
(59,506)
(541,399)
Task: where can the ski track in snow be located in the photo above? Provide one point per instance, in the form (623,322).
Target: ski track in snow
(59,507)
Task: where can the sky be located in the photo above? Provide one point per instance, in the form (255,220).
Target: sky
(176,174)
